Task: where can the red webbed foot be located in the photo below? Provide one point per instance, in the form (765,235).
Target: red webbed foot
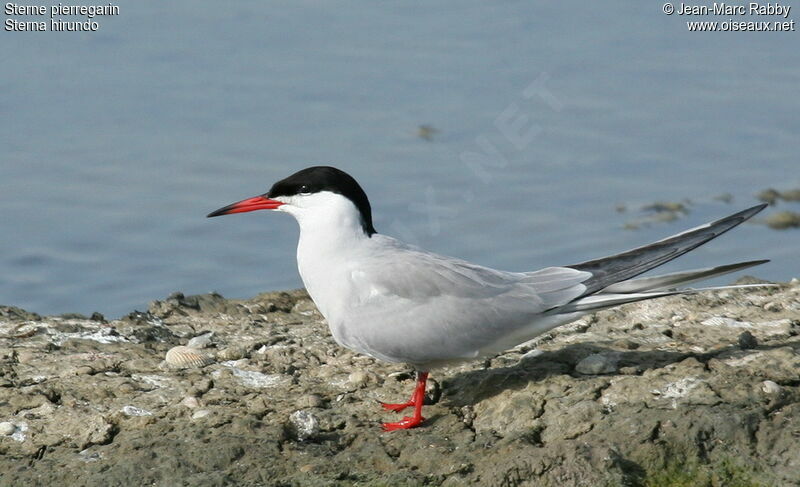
(416,401)
(397,407)
(404,424)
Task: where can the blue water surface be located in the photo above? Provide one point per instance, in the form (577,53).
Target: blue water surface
(116,143)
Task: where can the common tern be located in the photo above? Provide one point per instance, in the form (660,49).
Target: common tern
(399,303)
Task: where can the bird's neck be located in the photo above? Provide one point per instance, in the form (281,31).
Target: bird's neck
(330,238)
(331,229)
(326,250)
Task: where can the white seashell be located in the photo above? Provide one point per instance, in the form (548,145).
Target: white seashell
(723,321)
(184,357)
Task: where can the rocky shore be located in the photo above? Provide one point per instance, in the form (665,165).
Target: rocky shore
(700,390)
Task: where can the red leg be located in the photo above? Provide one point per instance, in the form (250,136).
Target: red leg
(417,400)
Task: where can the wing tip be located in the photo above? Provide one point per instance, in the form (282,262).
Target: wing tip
(749,212)
(748,263)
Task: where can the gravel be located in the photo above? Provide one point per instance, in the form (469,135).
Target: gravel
(652,393)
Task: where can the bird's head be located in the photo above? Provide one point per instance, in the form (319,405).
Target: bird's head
(315,194)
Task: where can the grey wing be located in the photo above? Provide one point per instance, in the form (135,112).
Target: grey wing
(404,271)
(423,307)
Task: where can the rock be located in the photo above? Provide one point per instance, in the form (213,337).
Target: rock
(14,314)
(783,220)
(426,132)
(190,402)
(26,356)
(7,428)
(790,195)
(507,412)
(304,425)
(761,329)
(178,305)
(574,421)
(93,430)
(201,341)
(626,344)
(609,400)
(768,195)
(531,354)
(358,378)
(659,212)
(747,340)
(770,387)
(201,386)
(724,197)
(280,302)
(134,411)
(311,401)
(254,379)
(305,308)
(596,364)
(201,413)
(666,207)
(258,406)
(231,353)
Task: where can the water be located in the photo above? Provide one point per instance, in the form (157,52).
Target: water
(115,144)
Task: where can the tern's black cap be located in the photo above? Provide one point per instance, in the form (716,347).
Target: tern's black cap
(326,178)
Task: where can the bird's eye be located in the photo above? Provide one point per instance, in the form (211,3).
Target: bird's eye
(304,189)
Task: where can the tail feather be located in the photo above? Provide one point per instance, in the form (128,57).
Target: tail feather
(608,271)
(669,281)
(599,301)
(644,288)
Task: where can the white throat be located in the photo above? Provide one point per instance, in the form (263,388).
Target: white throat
(331,233)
